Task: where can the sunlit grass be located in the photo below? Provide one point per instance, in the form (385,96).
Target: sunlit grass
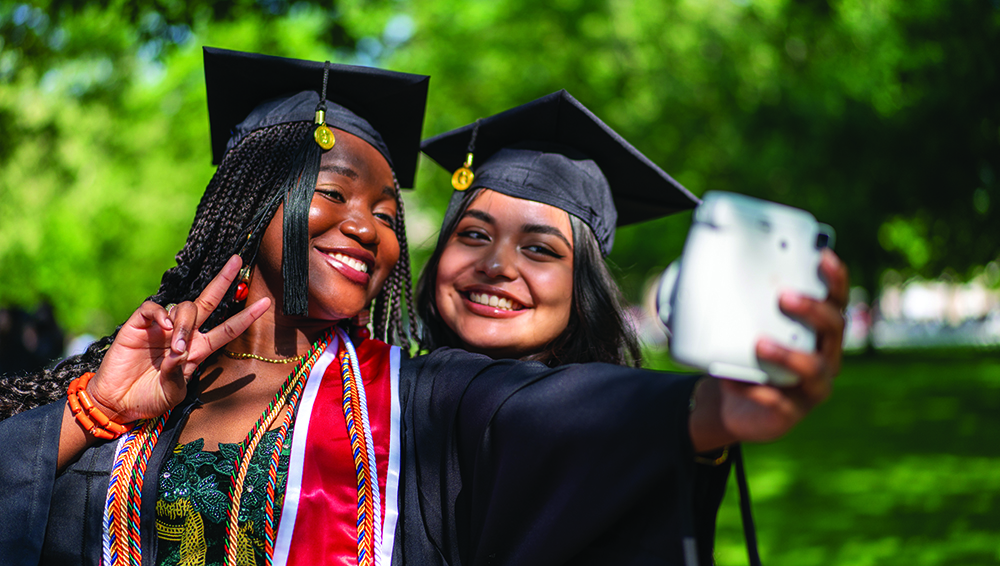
(901,466)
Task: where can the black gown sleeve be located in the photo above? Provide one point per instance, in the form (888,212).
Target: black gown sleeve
(49,518)
(56,519)
(581,464)
(29,447)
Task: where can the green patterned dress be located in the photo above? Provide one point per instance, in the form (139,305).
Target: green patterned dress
(193,502)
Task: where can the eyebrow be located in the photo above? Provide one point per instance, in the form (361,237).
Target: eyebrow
(545,229)
(340,169)
(480,215)
(352,174)
(526,228)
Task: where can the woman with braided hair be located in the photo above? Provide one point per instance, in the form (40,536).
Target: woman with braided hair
(230,200)
(176,445)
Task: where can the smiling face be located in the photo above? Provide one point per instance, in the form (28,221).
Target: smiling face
(352,239)
(505,278)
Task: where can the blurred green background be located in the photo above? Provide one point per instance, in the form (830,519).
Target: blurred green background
(881,117)
(899,467)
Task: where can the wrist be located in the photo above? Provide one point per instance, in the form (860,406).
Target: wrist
(705,424)
(100,401)
(92,417)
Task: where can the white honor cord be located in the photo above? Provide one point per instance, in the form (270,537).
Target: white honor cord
(393,467)
(293,489)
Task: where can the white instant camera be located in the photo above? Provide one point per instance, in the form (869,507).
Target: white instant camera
(721,296)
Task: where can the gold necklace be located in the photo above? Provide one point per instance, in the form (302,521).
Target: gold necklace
(244,356)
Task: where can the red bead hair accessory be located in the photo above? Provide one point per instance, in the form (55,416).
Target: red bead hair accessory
(243,287)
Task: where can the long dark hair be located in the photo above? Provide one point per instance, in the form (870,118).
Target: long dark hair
(245,182)
(597,330)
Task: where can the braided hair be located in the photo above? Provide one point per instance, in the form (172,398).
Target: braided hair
(242,193)
(387,320)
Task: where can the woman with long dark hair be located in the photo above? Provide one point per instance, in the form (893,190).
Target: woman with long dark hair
(176,445)
(580,463)
(596,329)
(549,155)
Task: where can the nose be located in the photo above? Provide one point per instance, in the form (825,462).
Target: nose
(498,263)
(360,227)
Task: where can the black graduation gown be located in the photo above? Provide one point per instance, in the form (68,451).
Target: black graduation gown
(503,463)
(518,464)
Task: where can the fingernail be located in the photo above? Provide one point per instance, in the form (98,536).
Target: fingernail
(766,348)
(180,346)
(790,299)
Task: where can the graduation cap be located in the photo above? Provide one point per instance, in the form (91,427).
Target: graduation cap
(555,151)
(250,91)
(387,103)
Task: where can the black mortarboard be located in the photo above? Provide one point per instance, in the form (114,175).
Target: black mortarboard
(250,91)
(388,103)
(555,151)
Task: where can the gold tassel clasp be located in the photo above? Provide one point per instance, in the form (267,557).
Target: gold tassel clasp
(463,176)
(323,134)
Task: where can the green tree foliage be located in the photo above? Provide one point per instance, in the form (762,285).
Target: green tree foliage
(879,116)
(102,109)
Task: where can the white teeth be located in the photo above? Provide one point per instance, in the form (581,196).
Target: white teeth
(492,301)
(351,262)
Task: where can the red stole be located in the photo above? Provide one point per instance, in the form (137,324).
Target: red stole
(325,514)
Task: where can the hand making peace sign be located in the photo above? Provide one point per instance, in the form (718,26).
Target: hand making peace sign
(147,368)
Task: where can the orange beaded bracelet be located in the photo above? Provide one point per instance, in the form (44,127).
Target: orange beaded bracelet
(85,412)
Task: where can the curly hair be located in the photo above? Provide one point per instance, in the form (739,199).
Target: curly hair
(597,330)
(243,191)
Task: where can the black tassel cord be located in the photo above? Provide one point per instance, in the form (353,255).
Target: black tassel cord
(298,189)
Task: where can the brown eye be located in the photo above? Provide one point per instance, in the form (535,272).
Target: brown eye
(473,235)
(542,250)
(334,195)
(388,219)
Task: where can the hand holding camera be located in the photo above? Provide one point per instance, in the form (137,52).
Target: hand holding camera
(741,254)
(765,316)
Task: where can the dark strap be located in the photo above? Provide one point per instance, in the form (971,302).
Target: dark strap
(685,486)
(749,532)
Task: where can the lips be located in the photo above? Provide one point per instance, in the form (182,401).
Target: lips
(354,264)
(496,301)
(492,303)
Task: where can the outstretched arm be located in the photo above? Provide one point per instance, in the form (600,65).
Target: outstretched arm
(147,368)
(729,411)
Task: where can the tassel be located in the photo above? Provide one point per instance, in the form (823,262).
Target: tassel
(298,189)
